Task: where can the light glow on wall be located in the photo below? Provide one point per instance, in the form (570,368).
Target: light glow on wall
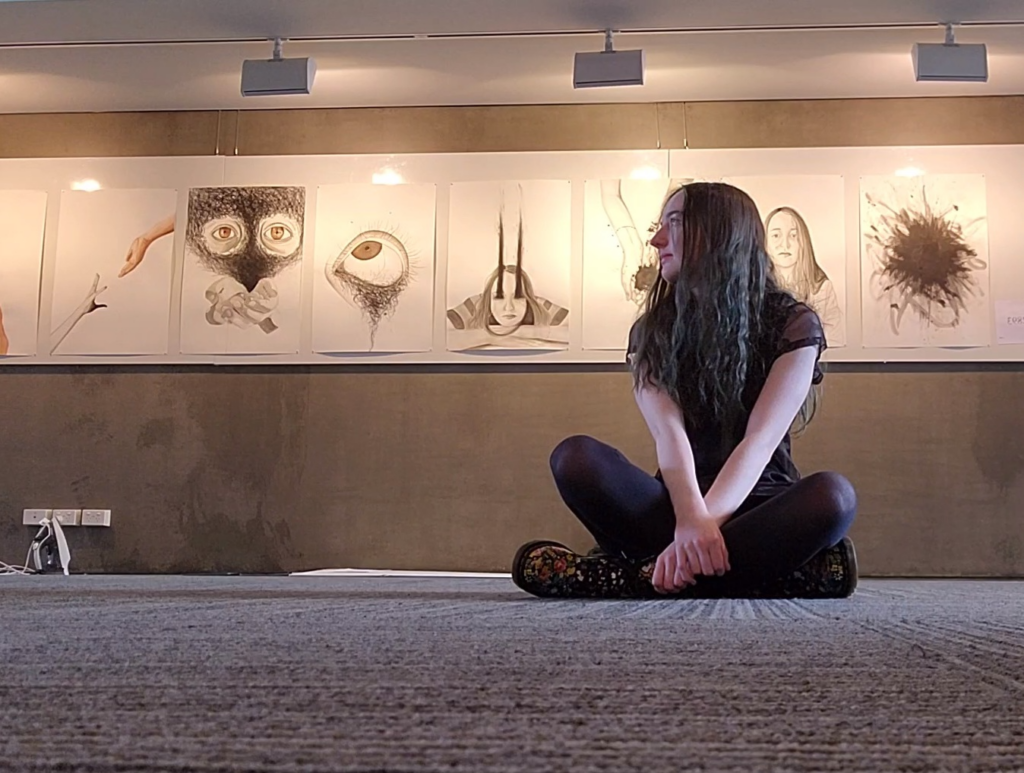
(88,186)
(645,173)
(387,176)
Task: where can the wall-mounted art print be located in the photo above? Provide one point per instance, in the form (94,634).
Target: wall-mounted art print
(508,266)
(805,236)
(112,276)
(924,261)
(619,264)
(22,222)
(374,274)
(242,279)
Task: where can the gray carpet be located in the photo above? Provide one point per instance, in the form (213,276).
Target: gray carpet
(317,674)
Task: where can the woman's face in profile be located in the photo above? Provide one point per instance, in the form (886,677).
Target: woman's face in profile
(668,239)
(508,310)
(783,237)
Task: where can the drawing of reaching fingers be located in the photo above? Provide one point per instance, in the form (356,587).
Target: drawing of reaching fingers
(622,224)
(139,246)
(87,306)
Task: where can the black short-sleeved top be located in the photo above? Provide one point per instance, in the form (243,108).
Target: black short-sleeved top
(789,325)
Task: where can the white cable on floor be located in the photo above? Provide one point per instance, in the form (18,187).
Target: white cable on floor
(396,573)
(11,569)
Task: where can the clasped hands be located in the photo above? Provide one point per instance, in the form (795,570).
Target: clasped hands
(697,548)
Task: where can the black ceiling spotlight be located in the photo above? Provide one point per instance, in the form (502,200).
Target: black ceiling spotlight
(950,61)
(277,76)
(596,69)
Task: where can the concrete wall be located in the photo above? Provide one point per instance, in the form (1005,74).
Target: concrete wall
(286,468)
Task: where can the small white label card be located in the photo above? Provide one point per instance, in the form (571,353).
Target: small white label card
(1010,322)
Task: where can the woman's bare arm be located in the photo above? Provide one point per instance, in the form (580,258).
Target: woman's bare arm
(784,392)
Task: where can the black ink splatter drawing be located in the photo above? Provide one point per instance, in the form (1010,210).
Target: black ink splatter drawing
(924,259)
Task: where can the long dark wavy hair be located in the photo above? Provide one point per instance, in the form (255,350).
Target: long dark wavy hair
(698,338)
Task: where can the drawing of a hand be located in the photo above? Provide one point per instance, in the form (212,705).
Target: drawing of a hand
(638,277)
(231,304)
(141,243)
(87,306)
(5,343)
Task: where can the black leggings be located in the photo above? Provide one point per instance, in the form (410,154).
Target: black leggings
(629,513)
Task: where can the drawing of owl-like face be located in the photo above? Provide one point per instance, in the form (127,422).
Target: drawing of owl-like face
(248,234)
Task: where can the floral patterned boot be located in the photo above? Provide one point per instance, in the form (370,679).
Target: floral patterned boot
(550,569)
(830,574)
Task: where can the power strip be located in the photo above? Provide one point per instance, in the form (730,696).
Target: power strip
(95,518)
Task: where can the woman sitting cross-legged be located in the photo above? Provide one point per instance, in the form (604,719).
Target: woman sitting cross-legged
(723,364)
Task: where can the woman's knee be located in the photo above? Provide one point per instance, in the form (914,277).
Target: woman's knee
(834,497)
(573,459)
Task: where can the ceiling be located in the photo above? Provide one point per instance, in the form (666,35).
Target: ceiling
(100,55)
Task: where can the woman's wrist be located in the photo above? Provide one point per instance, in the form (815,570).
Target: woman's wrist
(687,517)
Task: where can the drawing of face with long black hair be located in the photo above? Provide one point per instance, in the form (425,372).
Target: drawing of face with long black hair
(508,309)
(506,306)
(507,299)
(371,272)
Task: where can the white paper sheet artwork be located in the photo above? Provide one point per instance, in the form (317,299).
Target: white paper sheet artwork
(508,266)
(112,276)
(242,280)
(924,261)
(374,274)
(805,235)
(1009,322)
(22,221)
(619,265)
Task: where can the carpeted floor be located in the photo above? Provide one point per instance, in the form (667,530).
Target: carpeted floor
(317,674)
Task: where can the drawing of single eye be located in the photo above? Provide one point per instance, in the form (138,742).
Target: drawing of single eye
(371,272)
(378,258)
(280,234)
(224,235)
(367,250)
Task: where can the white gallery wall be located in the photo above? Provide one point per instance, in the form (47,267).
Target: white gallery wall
(907,253)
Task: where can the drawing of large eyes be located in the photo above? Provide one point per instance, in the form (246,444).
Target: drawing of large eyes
(377,257)
(279,234)
(224,235)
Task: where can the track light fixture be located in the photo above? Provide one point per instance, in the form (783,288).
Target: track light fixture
(276,76)
(598,69)
(950,61)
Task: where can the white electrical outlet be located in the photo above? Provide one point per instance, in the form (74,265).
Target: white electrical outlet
(34,517)
(95,518)
(67,517)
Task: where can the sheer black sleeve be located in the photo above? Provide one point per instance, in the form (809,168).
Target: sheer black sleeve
(803,328)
